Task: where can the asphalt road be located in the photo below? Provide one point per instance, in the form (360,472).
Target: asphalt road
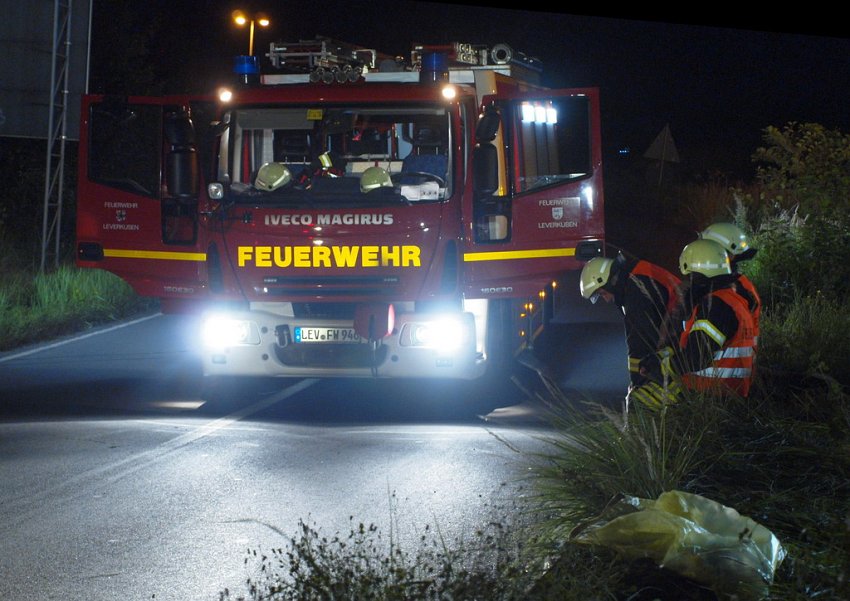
(118,484)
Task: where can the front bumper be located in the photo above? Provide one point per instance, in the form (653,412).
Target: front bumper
(266,345)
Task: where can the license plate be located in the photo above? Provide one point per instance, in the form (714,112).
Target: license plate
(326,335)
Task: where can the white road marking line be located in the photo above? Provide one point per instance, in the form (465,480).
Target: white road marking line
(75,486)
(38,349)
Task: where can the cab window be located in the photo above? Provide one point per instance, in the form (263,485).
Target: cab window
(553,141)
(124,146)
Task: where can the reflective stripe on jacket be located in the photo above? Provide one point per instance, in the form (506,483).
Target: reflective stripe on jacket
(732,364)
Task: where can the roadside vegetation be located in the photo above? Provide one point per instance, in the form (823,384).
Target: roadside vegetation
(36,306)
(65,300)
(780,458)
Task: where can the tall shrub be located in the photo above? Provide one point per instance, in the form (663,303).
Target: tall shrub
(799,213)
(807,166)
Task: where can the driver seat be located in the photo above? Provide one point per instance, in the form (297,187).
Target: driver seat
(427,154)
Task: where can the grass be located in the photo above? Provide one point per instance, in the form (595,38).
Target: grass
(809,317)
(61,301)
(365,564)
(764,456)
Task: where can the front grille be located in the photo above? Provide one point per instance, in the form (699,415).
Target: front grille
(324,310)
(331,355)
(356,286)
(326,292)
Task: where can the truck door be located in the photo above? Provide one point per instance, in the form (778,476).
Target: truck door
(537,208)
(139,188)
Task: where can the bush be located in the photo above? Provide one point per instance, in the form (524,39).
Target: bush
(798,214)
(804,341)
(365,565)
(799,256)
(807,167)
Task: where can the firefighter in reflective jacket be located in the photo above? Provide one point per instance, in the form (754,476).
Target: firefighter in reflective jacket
(717,345)
(734,240)
(646,293)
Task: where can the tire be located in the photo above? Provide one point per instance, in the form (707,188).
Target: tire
(496,387)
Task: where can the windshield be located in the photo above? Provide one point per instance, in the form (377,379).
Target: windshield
(358,155)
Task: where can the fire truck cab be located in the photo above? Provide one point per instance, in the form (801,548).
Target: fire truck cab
(348,214)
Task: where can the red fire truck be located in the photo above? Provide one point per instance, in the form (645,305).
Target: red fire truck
(347,213)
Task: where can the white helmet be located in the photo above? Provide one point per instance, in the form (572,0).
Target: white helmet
(272,176)
(706,257)
(594,275)
(729,236)
(373,178)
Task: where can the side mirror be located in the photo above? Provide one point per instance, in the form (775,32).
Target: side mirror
(485,170)
(179,130)
(487,126)
(181,164)
(181,173)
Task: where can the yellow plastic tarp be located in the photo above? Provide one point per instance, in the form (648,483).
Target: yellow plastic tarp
(693,536)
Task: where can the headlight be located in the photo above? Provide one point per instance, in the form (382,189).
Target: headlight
(218,332)
(443,334)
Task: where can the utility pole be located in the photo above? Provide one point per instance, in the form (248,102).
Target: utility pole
(54,173)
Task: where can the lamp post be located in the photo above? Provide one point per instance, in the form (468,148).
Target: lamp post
(241,19)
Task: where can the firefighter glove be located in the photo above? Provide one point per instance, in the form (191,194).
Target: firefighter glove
(658,366)
(655,396)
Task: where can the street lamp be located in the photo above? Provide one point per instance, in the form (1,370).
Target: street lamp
(241,19)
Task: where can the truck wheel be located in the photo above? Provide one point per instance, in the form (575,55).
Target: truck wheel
(496,388)
(500,349)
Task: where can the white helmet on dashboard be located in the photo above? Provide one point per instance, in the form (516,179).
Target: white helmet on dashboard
(374,178)
(272,176)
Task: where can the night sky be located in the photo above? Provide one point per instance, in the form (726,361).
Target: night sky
(718,81)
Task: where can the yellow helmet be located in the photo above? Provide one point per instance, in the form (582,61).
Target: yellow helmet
(594,275)
(373,178)
(729,236)
(272,176)
(706,257)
